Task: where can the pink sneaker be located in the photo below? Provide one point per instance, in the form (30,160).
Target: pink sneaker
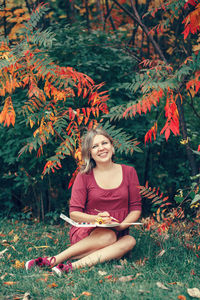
(61,268)
(40,262)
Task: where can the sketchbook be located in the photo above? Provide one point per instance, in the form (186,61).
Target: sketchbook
(73,223)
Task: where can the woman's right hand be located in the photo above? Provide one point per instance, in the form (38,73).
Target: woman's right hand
(105,216)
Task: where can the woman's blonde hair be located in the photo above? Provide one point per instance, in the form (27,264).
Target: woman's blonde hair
(87,140)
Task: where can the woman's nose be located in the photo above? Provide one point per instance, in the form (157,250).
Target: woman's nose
(100,147)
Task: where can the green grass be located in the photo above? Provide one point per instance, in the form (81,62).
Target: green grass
(178,268)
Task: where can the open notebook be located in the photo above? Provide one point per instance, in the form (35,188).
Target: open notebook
(70,221)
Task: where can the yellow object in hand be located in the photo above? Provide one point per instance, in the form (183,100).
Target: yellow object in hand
(100,220)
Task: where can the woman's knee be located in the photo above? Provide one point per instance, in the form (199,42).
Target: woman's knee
(129,242)
(104,237)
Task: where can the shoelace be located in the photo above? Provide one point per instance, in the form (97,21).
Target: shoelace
(44,261)
(66,267)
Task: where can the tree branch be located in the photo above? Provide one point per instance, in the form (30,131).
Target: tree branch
(135,17)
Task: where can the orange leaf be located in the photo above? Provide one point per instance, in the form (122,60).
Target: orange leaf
(52,285)
(108,277)
(18,264)
(10,282)
(86,294)
(181,297)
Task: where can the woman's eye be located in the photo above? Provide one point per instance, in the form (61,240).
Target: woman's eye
(93,147)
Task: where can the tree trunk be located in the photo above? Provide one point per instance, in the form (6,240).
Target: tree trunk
(183,128)
(4,19)
(70,11)
(87,15)
(100,13)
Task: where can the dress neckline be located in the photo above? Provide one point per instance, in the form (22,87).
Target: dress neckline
(112,188)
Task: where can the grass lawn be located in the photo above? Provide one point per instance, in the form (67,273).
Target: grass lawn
(159,267)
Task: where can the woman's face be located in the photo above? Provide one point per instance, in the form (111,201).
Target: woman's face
(102,150)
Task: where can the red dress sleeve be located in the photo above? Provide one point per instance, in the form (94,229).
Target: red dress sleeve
(134,195)
(78,194)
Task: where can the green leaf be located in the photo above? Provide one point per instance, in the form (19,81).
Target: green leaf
(196,199)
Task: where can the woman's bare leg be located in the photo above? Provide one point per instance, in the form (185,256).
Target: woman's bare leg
(113,251)
(98,238)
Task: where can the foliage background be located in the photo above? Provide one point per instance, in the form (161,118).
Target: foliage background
(108,46)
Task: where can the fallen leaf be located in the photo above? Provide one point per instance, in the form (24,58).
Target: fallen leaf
(102,273)
(181,297)
(83,271)
(118,266)
(136,276)
(108,277)
(143,292)
(16,238)
(13,248)
(2,235)
(123,262)
(126,278)
(195,292)
(3,276)
(18,264)
(117,292)
(9,256)
(161,253)
(10,282)
(161,285)
(2,252)
(5,243)
(26,296)
(38,247)
(11,232)
(52,285)
(86,294)
(141,262)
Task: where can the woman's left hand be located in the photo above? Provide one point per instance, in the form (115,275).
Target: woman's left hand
(120,228)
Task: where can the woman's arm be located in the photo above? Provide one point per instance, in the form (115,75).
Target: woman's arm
(132,217)
(80,217)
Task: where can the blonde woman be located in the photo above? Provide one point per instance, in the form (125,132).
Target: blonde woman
(102,189)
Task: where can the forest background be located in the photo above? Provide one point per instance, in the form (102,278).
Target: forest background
(132,67)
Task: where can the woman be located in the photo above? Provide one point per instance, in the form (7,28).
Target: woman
(107,188)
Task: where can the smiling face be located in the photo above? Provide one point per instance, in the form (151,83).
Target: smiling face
(102,150)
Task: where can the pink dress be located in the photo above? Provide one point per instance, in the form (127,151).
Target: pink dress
(87,196)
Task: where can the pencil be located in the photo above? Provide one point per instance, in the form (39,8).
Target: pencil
(110,216)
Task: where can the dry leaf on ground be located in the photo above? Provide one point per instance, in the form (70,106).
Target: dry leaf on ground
(123,262)
(118,267)
(181,297)
(11,232)
(10,282)
(26,296)
(161,253)
(126,278)
(86,294)
(102,273)
(161,285)
(16,238)
(2,252)
(52,285)
(195,292)
(18,264)
(3,276)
